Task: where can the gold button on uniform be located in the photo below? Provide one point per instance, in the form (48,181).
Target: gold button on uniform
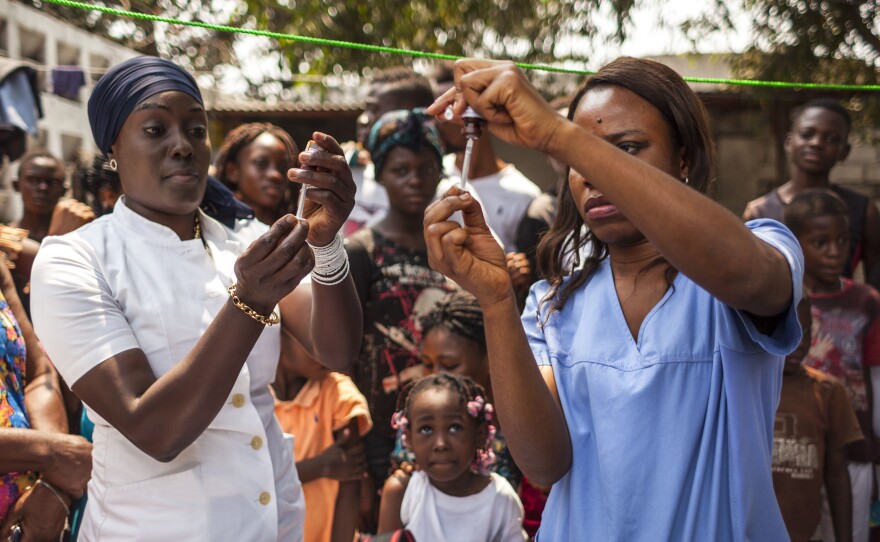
(265,498)
(238,400)
(256,443)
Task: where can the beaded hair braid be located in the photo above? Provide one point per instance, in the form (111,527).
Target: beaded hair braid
(470,394)
(460,313)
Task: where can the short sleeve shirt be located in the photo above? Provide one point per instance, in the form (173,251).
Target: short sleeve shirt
(494,514)
(846,343)
(124,282)
(814,417)
(320,408)
(671,433)
(505,197)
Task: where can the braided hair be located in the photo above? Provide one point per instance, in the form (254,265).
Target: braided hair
(811,204)
(470,395)
(460,313)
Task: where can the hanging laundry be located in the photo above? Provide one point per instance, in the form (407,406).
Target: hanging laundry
(67,80)
(20,106)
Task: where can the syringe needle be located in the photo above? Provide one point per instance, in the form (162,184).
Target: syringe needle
(466,165)
(473,123)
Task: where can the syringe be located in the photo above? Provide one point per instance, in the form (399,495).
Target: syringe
(473,128)
(311,147)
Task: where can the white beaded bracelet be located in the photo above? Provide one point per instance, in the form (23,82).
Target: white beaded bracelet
(331,262)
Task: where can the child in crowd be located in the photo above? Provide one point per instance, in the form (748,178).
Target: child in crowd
(817,141)
(327,416)
(454,341)
(447,423)
(846,330)
(814,424)
(389,266)
(253,163)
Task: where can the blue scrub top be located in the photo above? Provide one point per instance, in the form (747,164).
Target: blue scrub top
(671,434)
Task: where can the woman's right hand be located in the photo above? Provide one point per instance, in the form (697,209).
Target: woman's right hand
(469,255)
(69,215)
(39,513)
(274,264)
(71,467)
(500,92)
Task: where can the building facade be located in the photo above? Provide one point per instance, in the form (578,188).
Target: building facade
(46,42)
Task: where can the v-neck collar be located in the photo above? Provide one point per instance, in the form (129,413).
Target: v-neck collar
(614,301)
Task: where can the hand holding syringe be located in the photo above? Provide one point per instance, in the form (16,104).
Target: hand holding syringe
(473,129)
(328,189)
(311,146)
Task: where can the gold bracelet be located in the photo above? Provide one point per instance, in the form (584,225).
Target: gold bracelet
(270,320)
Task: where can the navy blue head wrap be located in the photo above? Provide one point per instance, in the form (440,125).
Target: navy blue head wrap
(413,129)
(126,85)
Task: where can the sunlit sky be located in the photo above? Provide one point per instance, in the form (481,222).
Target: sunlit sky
(653,31)
(650,37)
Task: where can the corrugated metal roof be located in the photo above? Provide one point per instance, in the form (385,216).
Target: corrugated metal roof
(232,105)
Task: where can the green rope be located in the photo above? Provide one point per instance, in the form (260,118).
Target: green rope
(436,56)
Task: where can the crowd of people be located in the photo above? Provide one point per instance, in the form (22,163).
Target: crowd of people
(617,358)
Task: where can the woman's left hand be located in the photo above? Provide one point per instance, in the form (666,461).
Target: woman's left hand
(329,190)
(469,255)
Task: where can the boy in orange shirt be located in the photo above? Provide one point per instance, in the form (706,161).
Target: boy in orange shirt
(327,416)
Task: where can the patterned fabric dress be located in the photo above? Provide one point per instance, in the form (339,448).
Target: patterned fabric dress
(12,410)
(398,287)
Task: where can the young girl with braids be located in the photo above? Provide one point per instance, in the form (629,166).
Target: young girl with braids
(253,163)
(447,424)
(454,341)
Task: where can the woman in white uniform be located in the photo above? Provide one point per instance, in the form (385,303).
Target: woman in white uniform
(162,321)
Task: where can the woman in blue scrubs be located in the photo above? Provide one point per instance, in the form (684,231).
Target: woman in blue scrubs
(642,378)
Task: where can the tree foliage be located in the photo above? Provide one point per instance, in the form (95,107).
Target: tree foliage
(796,40)
(197,48)
(821,41)
(526,30)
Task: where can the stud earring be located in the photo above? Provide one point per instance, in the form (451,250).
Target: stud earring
(687,180)
(113,165)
